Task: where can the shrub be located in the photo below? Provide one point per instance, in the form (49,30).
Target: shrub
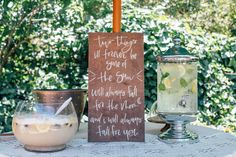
(55,55)
(39,48)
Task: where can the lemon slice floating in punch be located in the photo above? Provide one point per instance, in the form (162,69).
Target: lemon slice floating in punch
(42,128)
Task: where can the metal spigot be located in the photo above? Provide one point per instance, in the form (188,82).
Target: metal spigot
(183,101)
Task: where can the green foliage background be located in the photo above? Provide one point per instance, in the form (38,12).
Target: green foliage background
(43,44)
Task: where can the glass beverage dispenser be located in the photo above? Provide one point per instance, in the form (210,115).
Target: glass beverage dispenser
(177,92)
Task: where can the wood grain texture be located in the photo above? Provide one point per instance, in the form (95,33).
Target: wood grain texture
(116,87)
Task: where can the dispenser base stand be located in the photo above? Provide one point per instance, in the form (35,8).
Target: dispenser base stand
(177,132)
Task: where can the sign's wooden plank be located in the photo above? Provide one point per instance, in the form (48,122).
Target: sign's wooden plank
(116,87)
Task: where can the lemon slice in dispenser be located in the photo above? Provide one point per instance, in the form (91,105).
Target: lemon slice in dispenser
(175,70)
(181,70)
(167,82)
(194,86)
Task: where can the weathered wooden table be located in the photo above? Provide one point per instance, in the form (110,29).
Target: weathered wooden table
(212,143)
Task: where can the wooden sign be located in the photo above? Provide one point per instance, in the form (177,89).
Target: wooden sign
(116,87)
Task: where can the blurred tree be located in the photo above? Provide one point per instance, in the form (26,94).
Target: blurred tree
(15,28)
(43,44)
(97,8)
(211,15)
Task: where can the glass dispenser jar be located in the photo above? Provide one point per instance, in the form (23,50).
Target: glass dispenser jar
(177,91)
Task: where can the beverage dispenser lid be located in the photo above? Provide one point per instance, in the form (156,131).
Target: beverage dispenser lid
(176,54)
